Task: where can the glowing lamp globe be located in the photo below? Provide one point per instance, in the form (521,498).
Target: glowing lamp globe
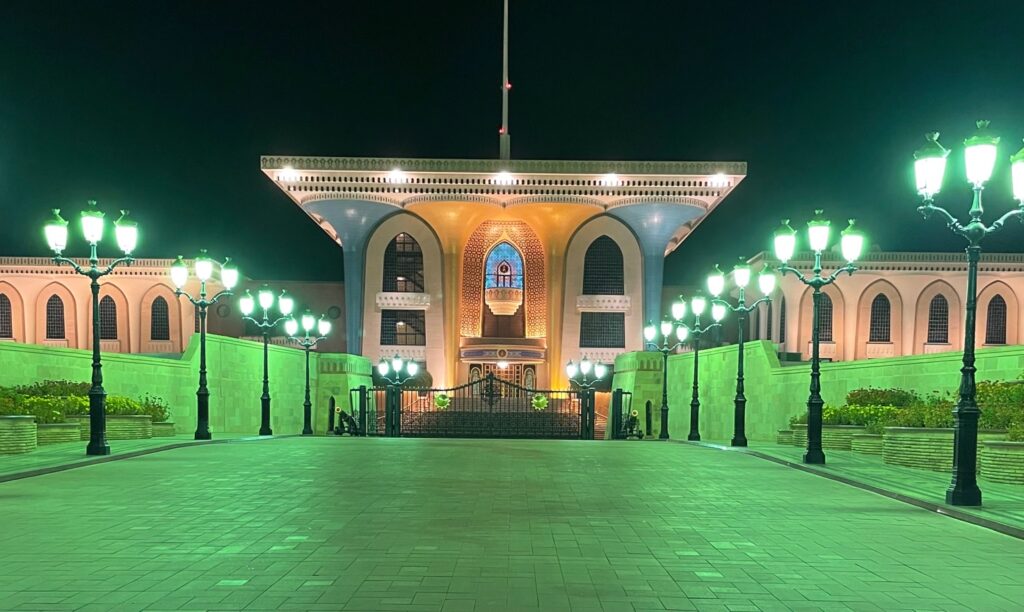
(682,333)
(1017,175)
(247,304)
(718,312)
(127,233)
(697,304)
(818,231)
(323,326)
(852,242)
(741,274)
(396,363)
(228,275)
(716,282)
(766,280)
(383,368)
(92,223)
(56,231)
(179,273)
(666,328)
(650,332)
(571,369)
(412,368)
(308,321)
(930,166)
(291,327)
(266,297)
(204,266)
(585,366)
(285,304)
(785,241)
(980,154)
(600,370)
(679,308)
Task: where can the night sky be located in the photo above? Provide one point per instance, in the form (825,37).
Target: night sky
(165,108)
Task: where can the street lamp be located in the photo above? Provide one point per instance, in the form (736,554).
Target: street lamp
(586,376)
(204,271)
(127,234)
(851,244)
(716,284)
(285,304)
(698,304)
(669,330)
(929,167)
(323,327)
(396,373)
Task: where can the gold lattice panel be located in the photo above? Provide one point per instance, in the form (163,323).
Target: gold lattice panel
(520,235)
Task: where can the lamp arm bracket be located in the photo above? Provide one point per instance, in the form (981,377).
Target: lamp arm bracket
(128,260)
(928,209)
(848,268)
(998,223)
(786,268)
(59,259)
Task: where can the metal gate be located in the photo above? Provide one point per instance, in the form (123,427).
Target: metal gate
(485,408)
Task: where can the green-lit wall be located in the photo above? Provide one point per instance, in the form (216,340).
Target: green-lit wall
(235,375)
(775,392)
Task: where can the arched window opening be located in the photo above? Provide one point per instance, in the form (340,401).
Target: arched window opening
(825,318)
(602,268)
(160,322)
(504,267)
(995,325)
(55,318)
(504,315)
(403,265)
(768,323)
(782,320)
(108,318)
(6,317)
(880,319)
(938,320)
(403,328)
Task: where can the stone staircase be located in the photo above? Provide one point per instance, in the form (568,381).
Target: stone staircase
(600,425)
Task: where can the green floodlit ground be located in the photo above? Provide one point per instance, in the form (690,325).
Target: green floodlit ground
(407,524)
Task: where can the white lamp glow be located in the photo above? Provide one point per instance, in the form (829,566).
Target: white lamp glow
(718,311)
(291,327)
(228,274)
(600,370)
(383,368)
(741,275)
(1017,175)
(585,366)
(179,273)
(285,304)
(56,231)
(785,242)
(818,231)
(308,321)
(266,297)
(766,280)
(571,369)
(396,363)
(323,326)
(247,304)
(697,304)
(650,332)
(980,154)
(92,223)
(930,166)
(716,282)
(852,243)
(666,328)
(412,368)
(204,267)
(678,309)
(127,233)
(682,333)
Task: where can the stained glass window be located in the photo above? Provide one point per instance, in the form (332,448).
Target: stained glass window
(504,267)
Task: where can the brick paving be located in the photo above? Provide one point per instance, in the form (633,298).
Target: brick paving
(450,525)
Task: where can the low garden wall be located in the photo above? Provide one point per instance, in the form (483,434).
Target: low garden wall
(17,434)
(55,433)
(1002,461)
(925,448)
(869,444)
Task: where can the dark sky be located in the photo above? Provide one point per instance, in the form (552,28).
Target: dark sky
(165,107)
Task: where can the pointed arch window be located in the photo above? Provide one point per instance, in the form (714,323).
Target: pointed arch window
(602,268)
(782,320)
(403,265)
(6,317)
(768,323)
(55,318)
(938,320)
(880,320)
(108,318)
(160,320)
(504,267)
(825,318)
(995,325)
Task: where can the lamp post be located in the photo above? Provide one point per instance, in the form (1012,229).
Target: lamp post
(204,271)
(716,284)
(698,303)
(930,165)
(668,329)
(395,373)
(127,234)
(851,242)
(323,327)
(581,376)
(285,304)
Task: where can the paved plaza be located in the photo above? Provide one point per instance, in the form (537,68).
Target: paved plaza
(460,525)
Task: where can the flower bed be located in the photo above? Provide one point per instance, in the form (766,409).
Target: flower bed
(869,444)
(1002,461)
(923,447)
(785,436)
(53,433)
(17,434)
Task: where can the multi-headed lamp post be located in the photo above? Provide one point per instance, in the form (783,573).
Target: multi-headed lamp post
(586,375)
(307,342)
(698,304)
(851,243)
(980,155)
(127,233)
(716,285)
(395,373)
(204,272)
(285,304)
(669,330)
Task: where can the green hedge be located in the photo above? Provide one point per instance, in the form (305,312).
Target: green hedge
(52,401)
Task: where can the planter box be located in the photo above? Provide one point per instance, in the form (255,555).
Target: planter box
(163,430)
(785,436)
(869,444)
(53,433)
(83,424)
(800,435)
(839,437)
(920,447)
(119,426)
(1002,461)
(17,434)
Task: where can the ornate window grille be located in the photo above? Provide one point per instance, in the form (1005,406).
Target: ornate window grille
(938,320)
(782,320)
(403,265)
(403,328)
(768,323)
(108,318)
(160,321)
(55,318)
(880,320)
(825,318)
(602,268)
(995,326)
(6,318)
(602,330)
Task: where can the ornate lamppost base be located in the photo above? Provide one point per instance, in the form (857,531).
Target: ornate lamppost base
(97,449)
(816,457)
(963,497)
(738,442)
(203,435)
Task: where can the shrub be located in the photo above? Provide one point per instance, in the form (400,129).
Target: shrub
(155,407)
(881,397)
(55,388)
(1016,432)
